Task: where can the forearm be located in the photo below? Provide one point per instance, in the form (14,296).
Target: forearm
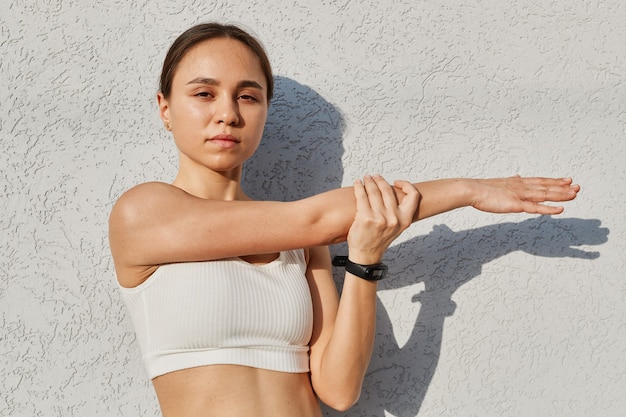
(348,352)
(336,209)
(494,195)
(440,196)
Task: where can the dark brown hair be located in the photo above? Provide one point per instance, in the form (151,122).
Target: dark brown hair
(206,31)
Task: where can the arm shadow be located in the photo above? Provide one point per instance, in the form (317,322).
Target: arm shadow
(301,155)
(444,260)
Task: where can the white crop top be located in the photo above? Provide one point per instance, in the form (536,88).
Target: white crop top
(224,312)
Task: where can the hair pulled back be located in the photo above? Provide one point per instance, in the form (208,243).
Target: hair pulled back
(206,31)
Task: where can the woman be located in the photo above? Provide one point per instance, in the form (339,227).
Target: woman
(232,317)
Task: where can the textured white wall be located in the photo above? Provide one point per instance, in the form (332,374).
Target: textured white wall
(483,315)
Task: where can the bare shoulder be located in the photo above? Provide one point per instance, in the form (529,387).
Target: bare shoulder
(140,205)
(128,215)
(148,187)
(135,199)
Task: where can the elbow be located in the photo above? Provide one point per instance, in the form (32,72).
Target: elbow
(342,406)
(338,390)
(341,401)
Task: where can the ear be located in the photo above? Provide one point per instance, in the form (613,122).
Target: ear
(164,110)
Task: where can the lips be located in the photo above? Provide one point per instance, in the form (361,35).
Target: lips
(224,141)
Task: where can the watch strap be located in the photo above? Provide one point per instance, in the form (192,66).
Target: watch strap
(373,272)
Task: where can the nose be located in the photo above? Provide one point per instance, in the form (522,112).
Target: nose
(227,112)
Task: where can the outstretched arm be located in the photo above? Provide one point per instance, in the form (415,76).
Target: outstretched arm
(157,223)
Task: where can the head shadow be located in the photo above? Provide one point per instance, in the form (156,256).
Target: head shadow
(301,150)
(443,260)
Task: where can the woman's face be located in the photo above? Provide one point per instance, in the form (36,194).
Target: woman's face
(217,106)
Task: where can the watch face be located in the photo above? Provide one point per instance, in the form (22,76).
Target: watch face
(377,274)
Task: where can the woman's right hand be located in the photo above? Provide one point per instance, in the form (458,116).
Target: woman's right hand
(521,194)
(379,218)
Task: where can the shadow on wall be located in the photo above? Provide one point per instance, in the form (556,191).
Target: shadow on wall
(300,155)
(444,260)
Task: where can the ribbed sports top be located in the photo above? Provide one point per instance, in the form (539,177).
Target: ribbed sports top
(224,312)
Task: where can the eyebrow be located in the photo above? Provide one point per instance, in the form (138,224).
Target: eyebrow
(213,81)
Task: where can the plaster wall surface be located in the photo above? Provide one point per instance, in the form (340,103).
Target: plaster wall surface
(482,315)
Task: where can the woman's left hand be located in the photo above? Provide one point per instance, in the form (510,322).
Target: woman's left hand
(379,218)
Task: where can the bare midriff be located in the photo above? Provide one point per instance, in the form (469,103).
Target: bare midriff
(235,391)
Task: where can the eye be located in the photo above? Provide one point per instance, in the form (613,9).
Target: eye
(247,97)
(203,94)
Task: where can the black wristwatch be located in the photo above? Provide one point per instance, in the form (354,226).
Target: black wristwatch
(374,272)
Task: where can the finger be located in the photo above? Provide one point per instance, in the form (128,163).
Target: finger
(389,199)
(539,189)
(409,203)
(362,201)
(374,194)
(552,193)
(543,179)
(539,182)
(535,208)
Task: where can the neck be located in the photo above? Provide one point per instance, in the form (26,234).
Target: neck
(212,185)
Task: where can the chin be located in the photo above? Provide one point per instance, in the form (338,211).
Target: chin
(226,169)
